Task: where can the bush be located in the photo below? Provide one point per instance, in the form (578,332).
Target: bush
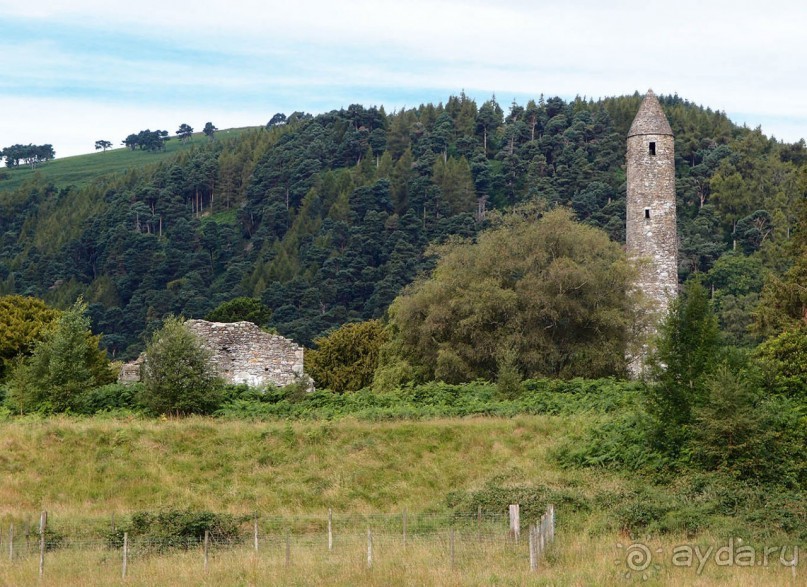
(618,443)
(108,398)
(178,376)
(784,363)
(436,400)
(347,358)
(175,529)
(238,309)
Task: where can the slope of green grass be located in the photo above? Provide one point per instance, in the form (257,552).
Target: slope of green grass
(83,470)
(95,467)
(82,170)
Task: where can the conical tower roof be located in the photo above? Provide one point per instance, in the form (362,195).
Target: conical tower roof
(650,119)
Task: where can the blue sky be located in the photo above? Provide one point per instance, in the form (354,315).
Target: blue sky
(74,72)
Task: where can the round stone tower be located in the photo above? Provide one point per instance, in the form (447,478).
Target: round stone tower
(651,234)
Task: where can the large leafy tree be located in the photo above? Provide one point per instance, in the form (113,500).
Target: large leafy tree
(66,363)
(550,292)
(23,322)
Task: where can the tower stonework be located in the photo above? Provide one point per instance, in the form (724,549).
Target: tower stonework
(651,235)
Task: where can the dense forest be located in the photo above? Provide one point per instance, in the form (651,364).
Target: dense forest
(326,218)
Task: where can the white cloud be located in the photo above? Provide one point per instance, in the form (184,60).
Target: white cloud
(740,56)
(73,126)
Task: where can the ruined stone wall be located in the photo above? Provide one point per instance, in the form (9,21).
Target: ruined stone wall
(243,353)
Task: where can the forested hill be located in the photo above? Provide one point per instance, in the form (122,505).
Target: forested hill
(326,218)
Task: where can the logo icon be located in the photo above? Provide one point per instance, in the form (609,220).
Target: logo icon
(638,559)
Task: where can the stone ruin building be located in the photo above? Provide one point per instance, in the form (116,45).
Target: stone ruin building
(651,233)
(241,353)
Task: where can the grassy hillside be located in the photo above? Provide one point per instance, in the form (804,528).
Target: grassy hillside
(96,467)
(82,471)
(82,170)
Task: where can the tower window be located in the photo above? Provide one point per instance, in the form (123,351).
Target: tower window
(653,149)
(647,211)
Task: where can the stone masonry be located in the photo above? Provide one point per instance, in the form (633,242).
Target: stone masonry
(651,233)
(241,353)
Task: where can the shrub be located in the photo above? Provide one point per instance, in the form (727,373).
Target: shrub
(178,375)
(784,363)
(238,309)
(347,358)
(112,397)
(175,529)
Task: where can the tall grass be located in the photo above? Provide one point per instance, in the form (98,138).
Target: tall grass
(84,470)
(573,559)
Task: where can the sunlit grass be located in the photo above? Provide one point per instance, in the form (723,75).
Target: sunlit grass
(89,467)
(85,470)
(573,559)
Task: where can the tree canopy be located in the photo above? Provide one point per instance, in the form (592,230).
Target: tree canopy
(209,130)
(31,155)
(147,140)
(23,322)
(325,219)
(346,359)
(185,132)
(552,291)
(63,365)
(241,308)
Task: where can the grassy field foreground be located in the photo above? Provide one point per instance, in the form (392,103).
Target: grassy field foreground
(84,470)
(94,467)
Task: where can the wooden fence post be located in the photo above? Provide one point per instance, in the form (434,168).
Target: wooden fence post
(207,541)
(533,561)
(551,522)
(330,529)
(369,549)
(451,546)
(515,522)
(43,524)
(255,532)
(125,554)
(479,523)
(543,533)
(404,527)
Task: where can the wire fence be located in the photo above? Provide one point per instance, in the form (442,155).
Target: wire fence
(449,538)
